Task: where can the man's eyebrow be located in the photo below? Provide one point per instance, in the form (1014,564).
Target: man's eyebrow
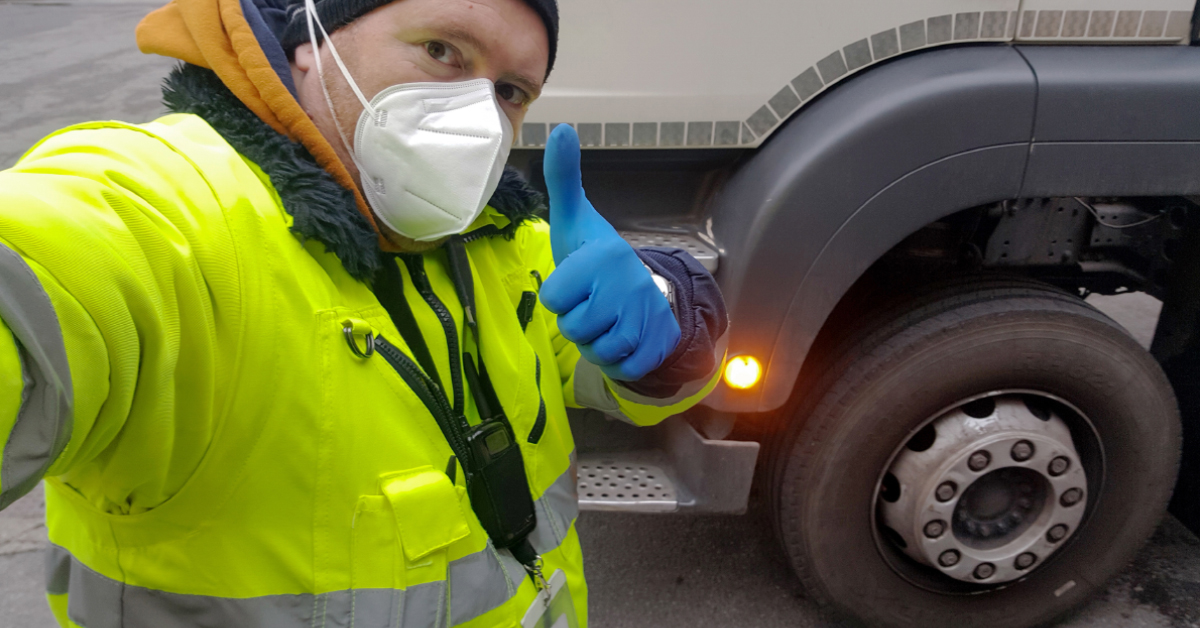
(532,88)
(466,37)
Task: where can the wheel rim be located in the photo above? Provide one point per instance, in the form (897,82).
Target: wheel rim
(987,491)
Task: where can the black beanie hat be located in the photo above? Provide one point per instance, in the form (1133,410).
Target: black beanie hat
(335,14)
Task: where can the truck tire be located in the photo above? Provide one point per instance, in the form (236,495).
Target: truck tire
(1072,425)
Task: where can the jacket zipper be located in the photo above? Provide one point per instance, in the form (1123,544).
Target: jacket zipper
(482,232)
(426,390)
(416,268)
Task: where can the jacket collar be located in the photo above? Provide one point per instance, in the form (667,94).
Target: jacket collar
(321,209)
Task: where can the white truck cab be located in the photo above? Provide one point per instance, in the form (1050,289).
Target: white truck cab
(679,74)
(904,205)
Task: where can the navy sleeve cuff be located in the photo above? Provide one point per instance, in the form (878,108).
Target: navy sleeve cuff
(700,310)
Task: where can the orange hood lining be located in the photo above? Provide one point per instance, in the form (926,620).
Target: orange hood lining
(214,34)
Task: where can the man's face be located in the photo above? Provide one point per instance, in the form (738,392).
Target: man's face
(411,41)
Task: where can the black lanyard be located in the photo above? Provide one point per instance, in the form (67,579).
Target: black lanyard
(389,289)
(494,467)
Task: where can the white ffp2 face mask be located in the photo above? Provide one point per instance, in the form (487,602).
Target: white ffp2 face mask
(429,155)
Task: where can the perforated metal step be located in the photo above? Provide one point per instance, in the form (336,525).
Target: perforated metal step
(629,485)
(698,249)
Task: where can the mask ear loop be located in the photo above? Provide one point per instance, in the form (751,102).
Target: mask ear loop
(310,11)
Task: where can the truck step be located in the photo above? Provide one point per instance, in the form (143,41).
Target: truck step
(666,468)
(704,253)
(624,483)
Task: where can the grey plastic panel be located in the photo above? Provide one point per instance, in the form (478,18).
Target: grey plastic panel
(1113,168)
(1115,121)
(777,222)
(1115,93)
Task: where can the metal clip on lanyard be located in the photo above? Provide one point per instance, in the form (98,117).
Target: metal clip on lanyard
(496,481)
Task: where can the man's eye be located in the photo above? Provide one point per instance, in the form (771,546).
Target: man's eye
(440,52)
(512,93)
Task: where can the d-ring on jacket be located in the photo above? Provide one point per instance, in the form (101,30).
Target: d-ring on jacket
(175,363)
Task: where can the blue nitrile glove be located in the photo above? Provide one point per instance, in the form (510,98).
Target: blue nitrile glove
(605,299)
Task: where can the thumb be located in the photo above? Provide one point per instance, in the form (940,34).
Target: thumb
(561,167)
(569,208)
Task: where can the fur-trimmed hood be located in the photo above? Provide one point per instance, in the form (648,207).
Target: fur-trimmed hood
(321,208)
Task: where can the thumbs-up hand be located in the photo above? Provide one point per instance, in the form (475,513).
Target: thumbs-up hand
(605,299)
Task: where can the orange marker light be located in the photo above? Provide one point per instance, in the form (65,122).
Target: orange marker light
(742,372)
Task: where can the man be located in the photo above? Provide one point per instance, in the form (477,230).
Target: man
(300,353)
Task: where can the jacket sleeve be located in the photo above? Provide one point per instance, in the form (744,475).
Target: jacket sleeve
(108,325)
(686,377)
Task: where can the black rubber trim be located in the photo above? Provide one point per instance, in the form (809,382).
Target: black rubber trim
(539,424)
(526,307)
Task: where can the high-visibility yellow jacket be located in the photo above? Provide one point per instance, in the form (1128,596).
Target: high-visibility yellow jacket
(176,364)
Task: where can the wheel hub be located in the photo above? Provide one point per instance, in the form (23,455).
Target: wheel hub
(999,507)
(986,491)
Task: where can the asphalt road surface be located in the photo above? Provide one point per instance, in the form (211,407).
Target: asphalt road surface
(66,62)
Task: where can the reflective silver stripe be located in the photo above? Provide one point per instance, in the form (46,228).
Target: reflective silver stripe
(477,583)
(591,391)
(421,605)
(58,570)
(43,425)
(556,511)
(97,601)
(482,584)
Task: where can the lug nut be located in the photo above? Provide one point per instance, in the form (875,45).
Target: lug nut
(946,491)
(1059,466)
(949,558)
(1022,451)
(1025,561)
(984,571)
(979,460)
(934,529)
(1071,497)
(1057,533)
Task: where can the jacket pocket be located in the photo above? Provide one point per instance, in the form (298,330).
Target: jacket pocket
(428,513)
(399,550)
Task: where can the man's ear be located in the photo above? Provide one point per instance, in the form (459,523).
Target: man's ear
(302,63)
(302,58)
